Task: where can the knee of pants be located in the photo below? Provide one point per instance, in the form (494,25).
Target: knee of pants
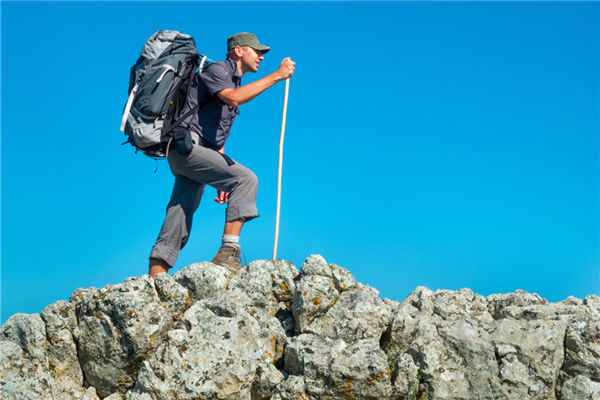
(248,180)
(253,179)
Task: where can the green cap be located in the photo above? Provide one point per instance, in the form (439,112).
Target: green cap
(245,39)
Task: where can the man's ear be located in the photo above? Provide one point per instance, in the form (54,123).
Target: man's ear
(238,51)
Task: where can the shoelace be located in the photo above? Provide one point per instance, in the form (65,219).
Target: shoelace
(238,253)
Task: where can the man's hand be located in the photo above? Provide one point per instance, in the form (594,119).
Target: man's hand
(286,69)
(222,197)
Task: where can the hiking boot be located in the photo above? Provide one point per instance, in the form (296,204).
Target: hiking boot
(229,257)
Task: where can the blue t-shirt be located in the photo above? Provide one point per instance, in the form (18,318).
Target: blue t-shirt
(214,119)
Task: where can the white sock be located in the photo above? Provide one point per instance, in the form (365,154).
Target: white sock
(231,240)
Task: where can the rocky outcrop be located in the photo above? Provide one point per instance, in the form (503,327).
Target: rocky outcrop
(273,332)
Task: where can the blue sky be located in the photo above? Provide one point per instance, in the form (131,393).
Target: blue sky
(451,144)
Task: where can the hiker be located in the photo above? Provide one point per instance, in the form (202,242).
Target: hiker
(202,137)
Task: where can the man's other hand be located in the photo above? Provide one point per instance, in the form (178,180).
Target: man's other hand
(222,197)
(286,69)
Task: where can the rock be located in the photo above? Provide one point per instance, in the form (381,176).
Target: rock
(329,302)
(582,348)
(176,297)
(216,357)
(118,327)
(266,380)
(357,314)
(580,388)
(498,303)
(28,331)
(309,356)
(268,284)
(592,303)
(405,376)
(134,395)
(339,370)
(203,280)
(267,287)
(314,295)
(62,352)
(316,265)
(270,332)
(60,324)
(292,388)
(359,370)
(461,304)
(392,304)
(530,355)
(467,346)
(38,362)
(24,372)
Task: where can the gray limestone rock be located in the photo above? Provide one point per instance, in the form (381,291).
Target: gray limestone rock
(314,295)
(267,287)
(272,333)
(176,297)
(114,396)
(357,314)
(580,388)
(592,302)
(266,380)
(268,283)
(530,356)
(290,389)
(309,356)
(461,304)
(392,304)
(119,327)
(329,302)
(28,331)
(60,322)
(359,370)
(63,363)
(39,362)
(24,372)
(203,280)
(215,357)
(582,348)
(316,265)
(467,346)
(405,375)
(335,369)
(135,395)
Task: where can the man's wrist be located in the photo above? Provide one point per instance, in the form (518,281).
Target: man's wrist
(277,77)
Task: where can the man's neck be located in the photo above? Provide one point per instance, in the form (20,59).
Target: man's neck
(240,71)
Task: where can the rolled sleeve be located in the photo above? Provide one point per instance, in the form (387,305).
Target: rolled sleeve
(216,78)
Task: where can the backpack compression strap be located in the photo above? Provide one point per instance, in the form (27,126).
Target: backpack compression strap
(182,118)
(128,107)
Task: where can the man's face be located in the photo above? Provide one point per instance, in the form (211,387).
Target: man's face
(251,58)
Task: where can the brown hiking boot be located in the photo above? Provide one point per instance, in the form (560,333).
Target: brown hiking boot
(229,257)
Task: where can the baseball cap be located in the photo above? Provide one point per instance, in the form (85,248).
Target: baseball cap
(245,39)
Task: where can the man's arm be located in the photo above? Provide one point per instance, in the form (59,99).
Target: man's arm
(241,95)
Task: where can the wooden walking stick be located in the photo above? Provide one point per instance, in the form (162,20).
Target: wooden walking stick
(285,100)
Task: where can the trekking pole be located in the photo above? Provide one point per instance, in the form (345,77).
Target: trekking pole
(285,100)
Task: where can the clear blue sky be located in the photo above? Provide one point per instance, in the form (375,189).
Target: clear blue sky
(443,144)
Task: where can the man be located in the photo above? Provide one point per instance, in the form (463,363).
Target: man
(219,92)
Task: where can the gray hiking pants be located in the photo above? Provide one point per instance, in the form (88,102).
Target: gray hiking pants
(203,166)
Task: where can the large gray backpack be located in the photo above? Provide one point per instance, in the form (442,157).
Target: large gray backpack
(158,86)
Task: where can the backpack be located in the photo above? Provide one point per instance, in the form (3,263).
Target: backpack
(158,86)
